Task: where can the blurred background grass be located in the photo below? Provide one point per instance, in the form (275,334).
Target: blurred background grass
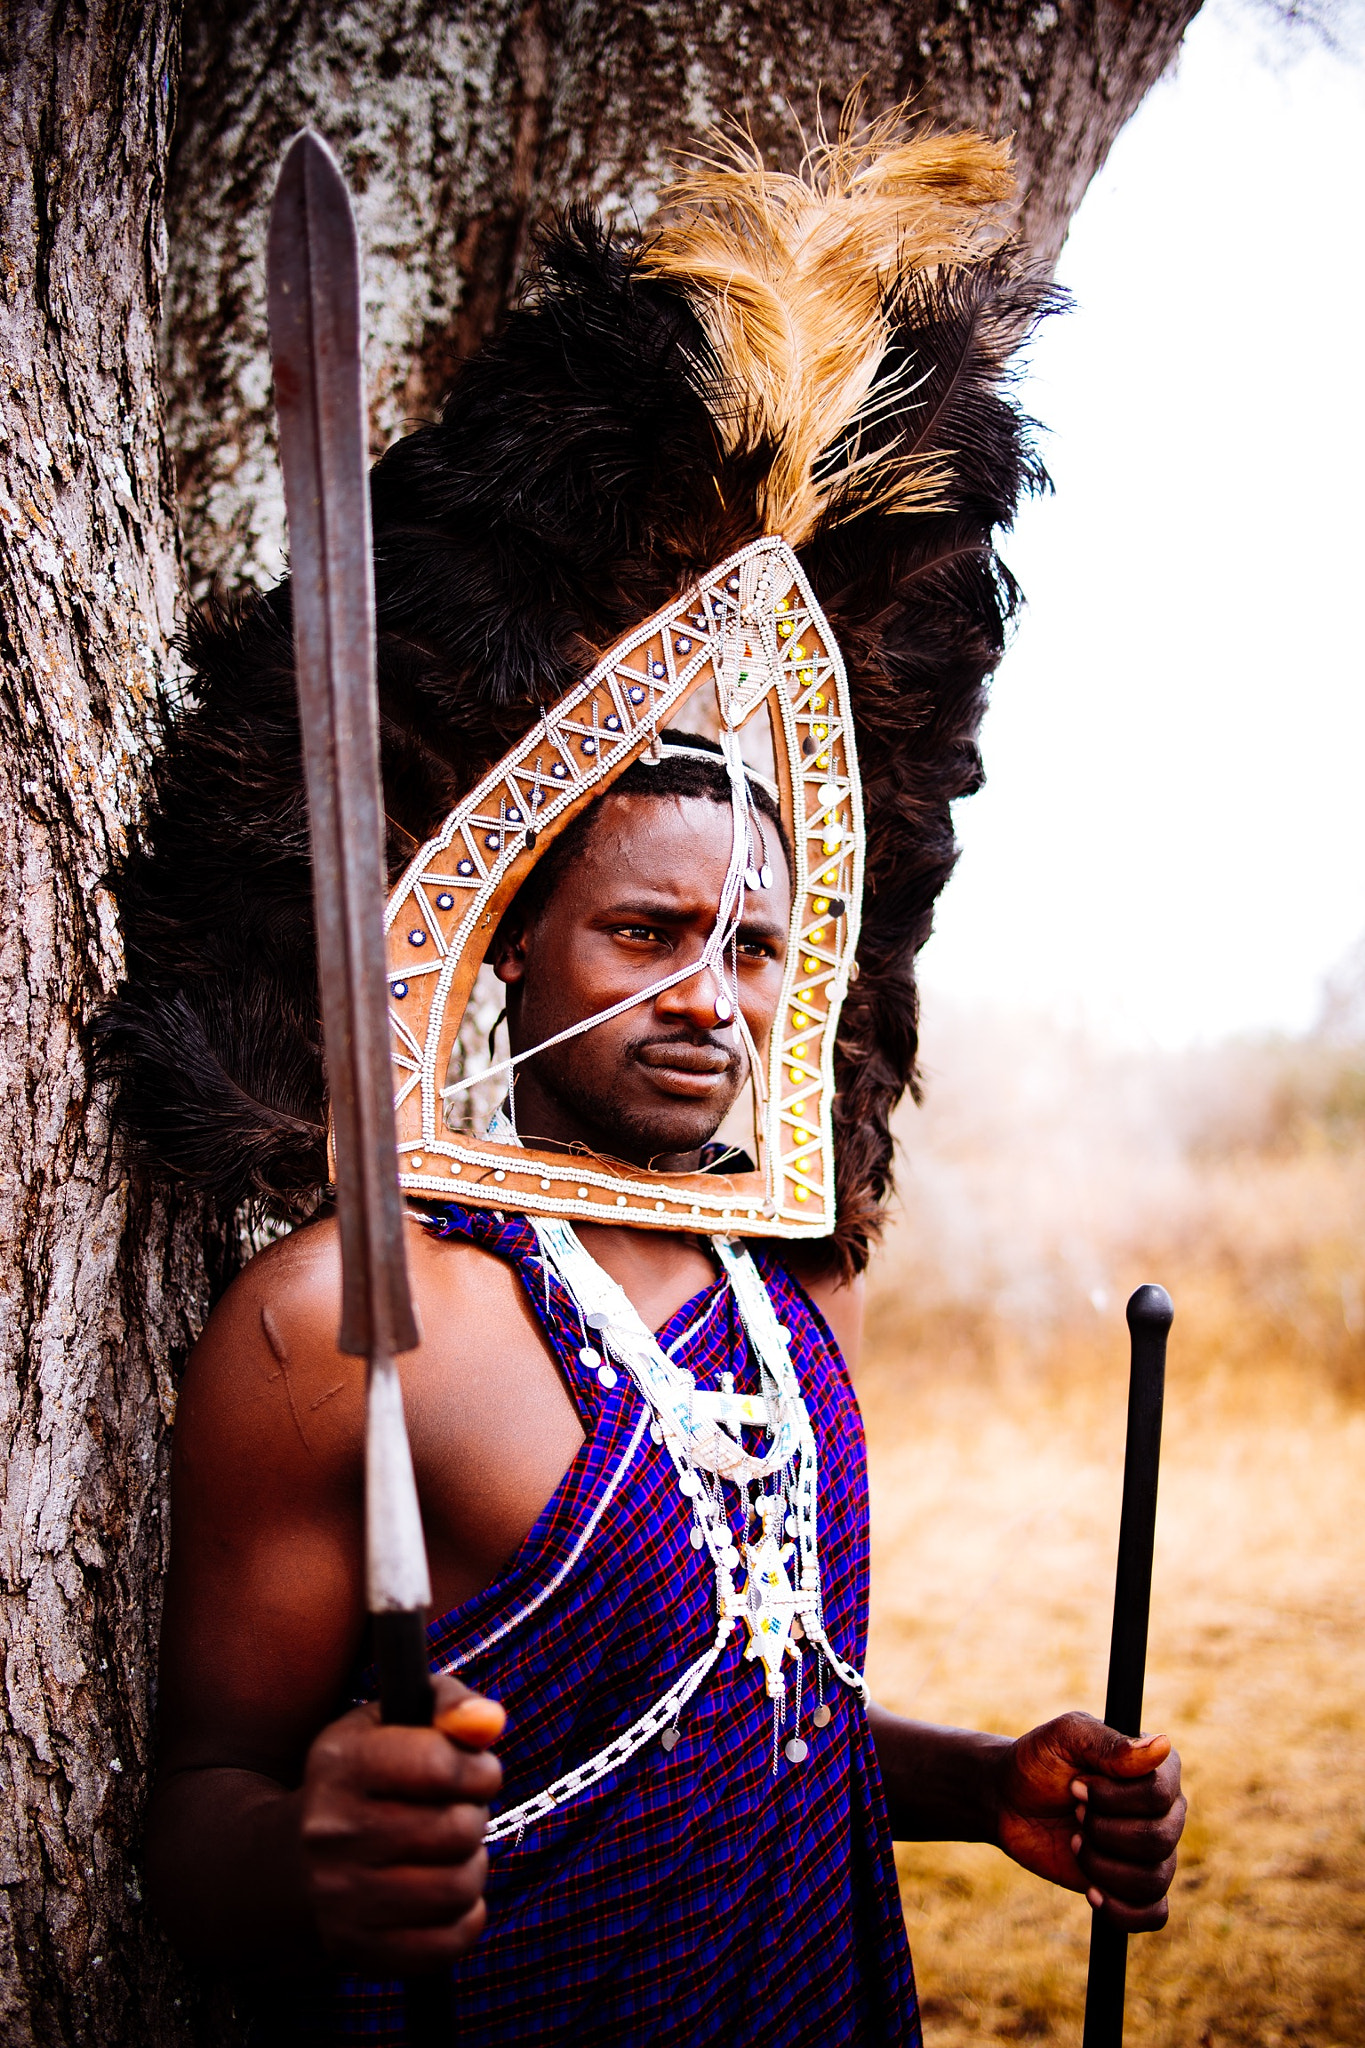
(1047,1176)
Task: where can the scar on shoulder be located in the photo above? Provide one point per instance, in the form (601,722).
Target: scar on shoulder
(273,1337)
(281,1355)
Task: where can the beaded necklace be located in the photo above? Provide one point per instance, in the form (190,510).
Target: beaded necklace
(702,1433)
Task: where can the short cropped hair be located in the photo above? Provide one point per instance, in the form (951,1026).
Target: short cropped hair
(677,774)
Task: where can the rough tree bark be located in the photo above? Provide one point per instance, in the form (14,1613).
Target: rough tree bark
(100,1281)
(460,128)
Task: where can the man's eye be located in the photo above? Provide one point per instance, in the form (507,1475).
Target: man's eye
(637,931)
(758,949)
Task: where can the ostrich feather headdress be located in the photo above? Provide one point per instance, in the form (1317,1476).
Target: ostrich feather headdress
(786,408)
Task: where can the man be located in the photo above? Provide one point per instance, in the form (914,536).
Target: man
(637,1450)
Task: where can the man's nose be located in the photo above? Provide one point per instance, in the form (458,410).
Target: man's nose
(702,1001)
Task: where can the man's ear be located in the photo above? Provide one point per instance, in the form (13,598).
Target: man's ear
(507,954)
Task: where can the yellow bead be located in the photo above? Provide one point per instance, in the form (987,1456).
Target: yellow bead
(822,760)
(812,966)
(814,938)
(801,1195)
(817,703)
(821,905)
(798,652)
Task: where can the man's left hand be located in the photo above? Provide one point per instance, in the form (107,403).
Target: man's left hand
(1097,1812)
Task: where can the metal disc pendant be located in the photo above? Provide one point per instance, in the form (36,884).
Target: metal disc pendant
(695,1538)
(754,1602)
(587,1356)
(669,1739)
(796,1751)
(822,1716)
(606,1375)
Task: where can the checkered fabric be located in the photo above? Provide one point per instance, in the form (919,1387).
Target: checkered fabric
(692,1897)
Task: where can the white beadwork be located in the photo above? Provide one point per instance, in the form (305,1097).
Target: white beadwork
(698,1449)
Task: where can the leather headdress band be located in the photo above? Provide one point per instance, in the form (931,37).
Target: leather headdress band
(752,630)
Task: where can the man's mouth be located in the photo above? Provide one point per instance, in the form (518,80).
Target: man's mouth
(684,1067)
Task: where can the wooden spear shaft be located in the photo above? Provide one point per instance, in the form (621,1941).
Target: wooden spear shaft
(1149,1321)
(313,273)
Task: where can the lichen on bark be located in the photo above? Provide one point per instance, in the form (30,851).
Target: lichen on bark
(461,131)
(100,1281)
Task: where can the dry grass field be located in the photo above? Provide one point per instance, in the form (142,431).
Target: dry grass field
(1045,1180)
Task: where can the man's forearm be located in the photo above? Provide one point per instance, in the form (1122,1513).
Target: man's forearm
(225,1869)
(942,1784)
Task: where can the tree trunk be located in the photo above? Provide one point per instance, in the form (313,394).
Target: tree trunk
(460,128)
(100,1282)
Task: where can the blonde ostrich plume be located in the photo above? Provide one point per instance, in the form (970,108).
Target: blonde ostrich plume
(798,278)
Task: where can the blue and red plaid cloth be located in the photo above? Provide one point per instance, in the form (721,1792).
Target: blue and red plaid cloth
(692,1897)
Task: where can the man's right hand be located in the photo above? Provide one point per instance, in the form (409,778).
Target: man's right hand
(392,1833)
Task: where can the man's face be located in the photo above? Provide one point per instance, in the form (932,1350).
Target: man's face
(637,903)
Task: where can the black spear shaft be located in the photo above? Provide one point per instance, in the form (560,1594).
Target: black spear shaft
(1149,1321)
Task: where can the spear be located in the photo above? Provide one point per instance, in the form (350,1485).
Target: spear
(1149,1321)
(314,301)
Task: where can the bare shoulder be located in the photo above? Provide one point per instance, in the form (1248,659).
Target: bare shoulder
(455,1282)
(266,1380)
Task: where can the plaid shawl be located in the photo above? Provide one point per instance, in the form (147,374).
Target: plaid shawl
(693,1897)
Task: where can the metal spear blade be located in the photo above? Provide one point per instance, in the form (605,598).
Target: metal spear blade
(314,302)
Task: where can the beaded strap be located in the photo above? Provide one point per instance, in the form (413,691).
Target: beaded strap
(661,1715)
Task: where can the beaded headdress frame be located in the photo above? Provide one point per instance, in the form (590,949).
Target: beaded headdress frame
(753,630)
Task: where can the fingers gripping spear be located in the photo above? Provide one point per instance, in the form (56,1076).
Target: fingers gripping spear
(314,300)
(1149,1320)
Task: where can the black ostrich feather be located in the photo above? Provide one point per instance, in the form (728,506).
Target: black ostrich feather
(576,481)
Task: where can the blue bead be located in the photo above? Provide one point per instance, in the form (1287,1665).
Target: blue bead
(637,695)
(445,901)
(416,938)
(492,840)
(589,746)
(399,990)
(466,867)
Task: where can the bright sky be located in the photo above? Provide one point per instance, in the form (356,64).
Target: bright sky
(1172,842)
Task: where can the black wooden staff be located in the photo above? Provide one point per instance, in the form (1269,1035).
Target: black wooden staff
(1149,1320)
